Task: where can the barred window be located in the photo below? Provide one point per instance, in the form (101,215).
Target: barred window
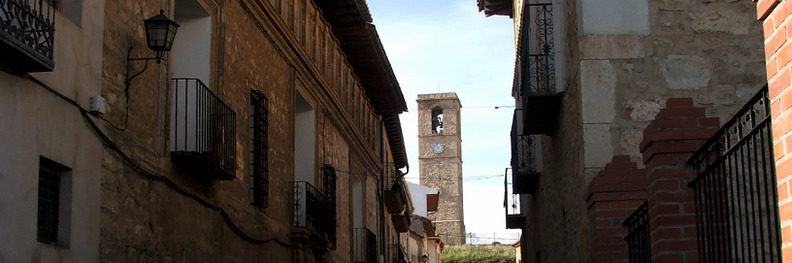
(329,187)
(49,200)
(259,147)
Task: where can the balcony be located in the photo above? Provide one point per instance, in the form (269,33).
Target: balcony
(540,102)
(525,163)
(311,209)
(202,131)
(365,246)
(515,219)
(27,35)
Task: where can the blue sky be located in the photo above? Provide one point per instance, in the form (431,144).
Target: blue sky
(448,46)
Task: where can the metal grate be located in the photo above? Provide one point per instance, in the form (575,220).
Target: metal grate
(48,202)
(329,185)
(736,194)
(638,237)
(259,150)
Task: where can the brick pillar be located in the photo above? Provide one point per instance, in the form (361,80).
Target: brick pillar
(613,195)
(677,132)
(778,52)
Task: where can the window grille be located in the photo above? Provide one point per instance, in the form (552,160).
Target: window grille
(48,201)
(329,185)
(259,147)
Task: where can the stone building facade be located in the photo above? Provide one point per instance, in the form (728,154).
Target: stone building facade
(269,132)
(440,161)
(607,68)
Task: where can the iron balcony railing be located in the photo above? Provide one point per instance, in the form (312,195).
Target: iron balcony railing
(29,25)
(524,155)
(539,102)
(524,162)
(536,51)
(511,203)
(736,194)
(202,130)
(311,209)
(638,246)
(365,246)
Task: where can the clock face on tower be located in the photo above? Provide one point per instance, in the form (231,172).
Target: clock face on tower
(438,147)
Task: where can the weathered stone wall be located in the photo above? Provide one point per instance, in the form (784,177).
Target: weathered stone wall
(621,68)
(710,51)
(153,210)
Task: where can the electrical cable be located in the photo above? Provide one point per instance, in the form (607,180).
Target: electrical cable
(157,177)
(464,178)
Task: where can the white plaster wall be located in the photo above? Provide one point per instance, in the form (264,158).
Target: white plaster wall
(357,202)
(598,79)
(304,141)
(34,123)
(191,48)
(418,193)
(614,16)
(559,50)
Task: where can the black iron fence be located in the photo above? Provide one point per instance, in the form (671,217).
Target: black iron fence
(365,246)
(202,130)
(30,24)
(638,246)
(310,209)
(736,195)
(536,55)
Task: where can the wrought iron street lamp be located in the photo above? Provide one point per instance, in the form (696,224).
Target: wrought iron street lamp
(160,32)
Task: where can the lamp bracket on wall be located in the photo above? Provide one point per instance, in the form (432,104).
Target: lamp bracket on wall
(160,33)
(129,78)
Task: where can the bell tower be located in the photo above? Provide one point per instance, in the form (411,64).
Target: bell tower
(440,161)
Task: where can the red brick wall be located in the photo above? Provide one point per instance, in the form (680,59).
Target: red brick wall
(677,132)
(778,51)
(613,195)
